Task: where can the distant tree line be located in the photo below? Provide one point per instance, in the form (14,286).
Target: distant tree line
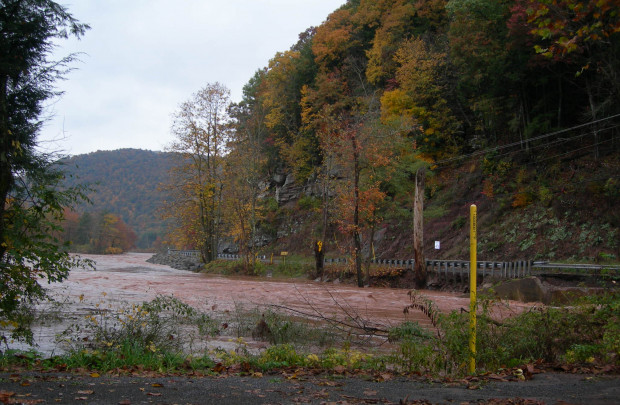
(99,233)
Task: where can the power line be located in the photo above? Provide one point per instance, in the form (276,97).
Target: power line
(518,143)
(562,140)
(574,150)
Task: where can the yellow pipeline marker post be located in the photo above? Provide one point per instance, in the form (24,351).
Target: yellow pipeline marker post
(473,267)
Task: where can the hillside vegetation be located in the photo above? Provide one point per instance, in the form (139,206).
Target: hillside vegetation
(124,183)
(511,104)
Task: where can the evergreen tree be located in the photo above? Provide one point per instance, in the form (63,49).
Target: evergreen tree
(32,202)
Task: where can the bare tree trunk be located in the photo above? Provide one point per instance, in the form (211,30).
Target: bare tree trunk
(593,114)
(357,242)
(320,253)
(418,230)
(368,258)
(6,175)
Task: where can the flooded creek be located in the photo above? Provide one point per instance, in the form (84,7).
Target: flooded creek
(128,279)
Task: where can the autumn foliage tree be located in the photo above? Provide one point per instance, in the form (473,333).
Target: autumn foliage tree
(244,173)
(196,182)
(98,232)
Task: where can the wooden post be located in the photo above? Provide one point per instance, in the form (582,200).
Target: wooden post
(418,230)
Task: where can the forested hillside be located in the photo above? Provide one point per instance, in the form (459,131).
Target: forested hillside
(509,104)
(124,183)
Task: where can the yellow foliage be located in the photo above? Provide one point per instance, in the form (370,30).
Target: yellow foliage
(397,104)
(522,199)
(393,28)
(333,37)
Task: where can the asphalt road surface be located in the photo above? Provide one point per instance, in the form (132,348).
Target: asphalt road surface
(66,388)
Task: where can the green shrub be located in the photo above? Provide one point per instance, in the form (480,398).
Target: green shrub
(586,330)
(270,204)
(435,212)
(345,357)
(153,334)
(308,203)
(283,355)
(545,195)
(294,266)
(415,349)
(458,223)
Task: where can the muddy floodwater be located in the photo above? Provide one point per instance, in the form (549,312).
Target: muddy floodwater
(126,279)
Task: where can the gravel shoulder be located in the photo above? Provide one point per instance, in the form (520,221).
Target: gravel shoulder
(66,388)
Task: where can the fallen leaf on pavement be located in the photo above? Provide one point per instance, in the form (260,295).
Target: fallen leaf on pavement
(384,377)
(327,383)
(340,369)
(5,395)
(24,401)
(86,392)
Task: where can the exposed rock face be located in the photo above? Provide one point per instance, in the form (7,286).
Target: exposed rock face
(286,190)
(228,246)
(177,261)
(289,191)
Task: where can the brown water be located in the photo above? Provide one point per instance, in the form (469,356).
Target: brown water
(128,278)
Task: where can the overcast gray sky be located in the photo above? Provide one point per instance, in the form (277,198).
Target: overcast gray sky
(142,58)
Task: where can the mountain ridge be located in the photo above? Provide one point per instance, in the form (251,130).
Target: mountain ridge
(123,182)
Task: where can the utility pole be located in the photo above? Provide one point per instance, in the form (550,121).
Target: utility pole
(419,270)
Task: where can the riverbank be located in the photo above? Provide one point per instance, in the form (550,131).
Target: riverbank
(176,261)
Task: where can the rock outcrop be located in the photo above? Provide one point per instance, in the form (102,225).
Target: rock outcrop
(177,261)
(289,190)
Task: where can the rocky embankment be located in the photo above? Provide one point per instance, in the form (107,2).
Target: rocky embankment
(177,261)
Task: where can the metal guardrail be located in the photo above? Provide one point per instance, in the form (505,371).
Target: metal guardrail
(186,253)
(460,268)
(229,256)
(564,266)
(452,268)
